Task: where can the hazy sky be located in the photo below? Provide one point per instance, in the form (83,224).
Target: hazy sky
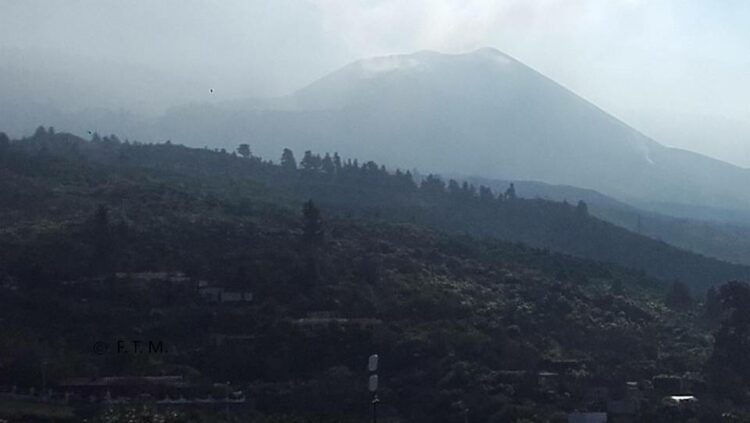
(679,70)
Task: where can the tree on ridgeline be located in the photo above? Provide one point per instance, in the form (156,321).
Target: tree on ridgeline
(310,162)
(404,180)
(370,167)
(4,141)
(244,150)
(408,181)
(287,160)
(510,193)
(485,193)
(337,162)
(432,184)
(582,208)
(40,132)
(453,188)
(468,191)
(327,165)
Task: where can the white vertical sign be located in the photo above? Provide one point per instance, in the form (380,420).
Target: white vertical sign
(372,363)
(373,383)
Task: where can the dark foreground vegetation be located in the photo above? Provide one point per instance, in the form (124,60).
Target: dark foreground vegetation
(174,284)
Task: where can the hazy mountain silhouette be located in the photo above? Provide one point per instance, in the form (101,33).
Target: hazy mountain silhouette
(482,113)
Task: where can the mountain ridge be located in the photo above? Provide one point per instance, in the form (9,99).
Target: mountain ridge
(454,113)
(370,191)
(465,113)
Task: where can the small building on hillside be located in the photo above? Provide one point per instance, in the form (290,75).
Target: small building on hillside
(682,401)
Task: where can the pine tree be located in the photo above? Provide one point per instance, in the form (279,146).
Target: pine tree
(582,208)
(336,162)
(409,180)
(327,165)
(287,160)
(510,193)
(485,193)
(453,188)
(310,162)
(40,133)
(244,150)
(312,224)
(433,185)
(4,141)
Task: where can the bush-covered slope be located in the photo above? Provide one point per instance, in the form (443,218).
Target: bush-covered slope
(365,190)
(457,319)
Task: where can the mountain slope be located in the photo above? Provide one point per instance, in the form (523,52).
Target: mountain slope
(481,113)
(369,191)
(93,232)
(703,235)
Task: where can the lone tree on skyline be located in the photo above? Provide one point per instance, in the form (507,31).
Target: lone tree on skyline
(582,208)
(244,150)
(510,193)
(287,160)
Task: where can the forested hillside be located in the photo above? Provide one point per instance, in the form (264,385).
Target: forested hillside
(108,240)
(724,238)
(349,188)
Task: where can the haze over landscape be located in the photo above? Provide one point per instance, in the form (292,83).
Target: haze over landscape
(675,70)
(510,211)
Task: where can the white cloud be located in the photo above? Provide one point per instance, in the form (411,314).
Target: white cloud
(382,26)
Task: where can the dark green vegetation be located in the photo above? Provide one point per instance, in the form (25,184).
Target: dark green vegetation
(368,191)
(726,238)
(462,319)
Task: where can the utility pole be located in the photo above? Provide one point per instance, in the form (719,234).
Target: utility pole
(372,385)
(375,402)
(44,377)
